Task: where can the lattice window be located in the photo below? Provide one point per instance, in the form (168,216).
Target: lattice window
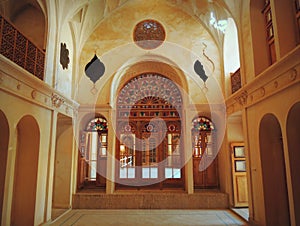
(97,125)
(149,34)
(143,99)
(202,124)
(149,87)
(202,139)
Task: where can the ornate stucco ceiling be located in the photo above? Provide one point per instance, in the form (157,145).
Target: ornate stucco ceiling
(106,27)
(188,37)
(86,15)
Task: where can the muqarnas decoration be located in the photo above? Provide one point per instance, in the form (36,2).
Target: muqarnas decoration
(94,70)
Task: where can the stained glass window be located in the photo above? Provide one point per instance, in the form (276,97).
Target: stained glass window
(202,143)
(150,88)
(202,124)
(157,154)
(97,124)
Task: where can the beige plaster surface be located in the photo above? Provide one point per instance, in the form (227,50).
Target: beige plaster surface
(112,40)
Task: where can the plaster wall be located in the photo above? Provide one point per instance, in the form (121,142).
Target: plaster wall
(254,116)
(14,110)
(31,22)
(63,75)
(116,49)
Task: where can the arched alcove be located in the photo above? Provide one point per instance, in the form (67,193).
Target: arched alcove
(30,20)
(293,128)
(273,172)
(231,53)
(4,139)
(62,165)
(26,169)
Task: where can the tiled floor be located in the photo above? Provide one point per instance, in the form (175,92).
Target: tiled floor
(149,218)
(56,212)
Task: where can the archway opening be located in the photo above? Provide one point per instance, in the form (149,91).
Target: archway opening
(293,128)
(92,162)
(26,170)
(4,139)
(61,199)
(231,58)
(149,146)
(29,19)
(273,172)
(204,152)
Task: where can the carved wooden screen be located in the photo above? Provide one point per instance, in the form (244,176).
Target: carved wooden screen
(149,133)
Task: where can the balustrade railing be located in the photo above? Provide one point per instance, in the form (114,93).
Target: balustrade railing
(236,82)
(16,47)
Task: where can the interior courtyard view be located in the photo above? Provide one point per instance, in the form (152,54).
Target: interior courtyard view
(159,112)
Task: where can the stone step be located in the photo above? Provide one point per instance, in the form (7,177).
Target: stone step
(148,200)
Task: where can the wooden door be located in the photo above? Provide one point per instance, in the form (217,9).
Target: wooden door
(203,153)
(239,175)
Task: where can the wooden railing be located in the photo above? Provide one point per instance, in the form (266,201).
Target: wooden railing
(236,82)
(16,47)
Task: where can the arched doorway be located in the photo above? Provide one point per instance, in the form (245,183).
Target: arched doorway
(203,140)
(4,139)
(273,172)
(61,198)
(293,128)
(149,143)
(93,143)
(26,169)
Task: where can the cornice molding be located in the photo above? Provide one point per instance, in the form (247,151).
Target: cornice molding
(18,82)
(276,78)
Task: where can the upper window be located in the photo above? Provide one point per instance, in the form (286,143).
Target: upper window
(97,125)
(202,124)
(149,34)
(202,139)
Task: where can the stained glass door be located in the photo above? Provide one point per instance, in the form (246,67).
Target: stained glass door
(149,150)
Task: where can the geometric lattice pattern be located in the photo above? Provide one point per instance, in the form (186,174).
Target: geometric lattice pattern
(149,34)
(149,86)
(16,47)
